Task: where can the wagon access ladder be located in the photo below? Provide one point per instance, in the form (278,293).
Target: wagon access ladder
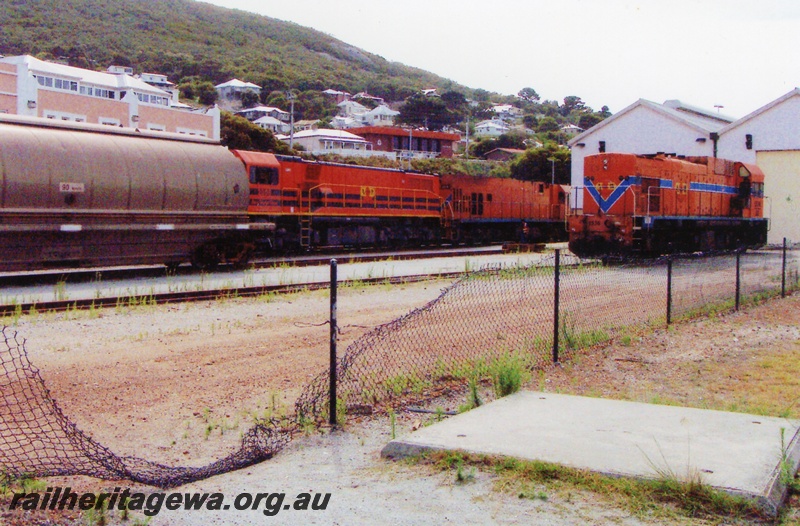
(305,232)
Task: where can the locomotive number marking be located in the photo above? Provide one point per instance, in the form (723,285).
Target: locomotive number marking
(367,191)
(69,188)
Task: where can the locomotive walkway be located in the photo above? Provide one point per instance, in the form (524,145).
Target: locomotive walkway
(734,452)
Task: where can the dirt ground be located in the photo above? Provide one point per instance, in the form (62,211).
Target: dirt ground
(179,384)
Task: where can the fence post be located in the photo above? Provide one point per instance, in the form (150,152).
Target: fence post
(738,279)
(332,404)
(556,294)
(783,270)
(669,290)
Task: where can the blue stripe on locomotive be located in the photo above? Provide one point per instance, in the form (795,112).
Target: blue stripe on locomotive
(632,180)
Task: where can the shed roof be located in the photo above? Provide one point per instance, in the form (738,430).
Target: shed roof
(763,109)
(703,122)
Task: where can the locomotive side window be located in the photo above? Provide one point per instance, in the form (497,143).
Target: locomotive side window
(477,204)
(263,175)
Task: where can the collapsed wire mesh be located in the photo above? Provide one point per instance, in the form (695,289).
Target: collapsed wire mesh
(487,317)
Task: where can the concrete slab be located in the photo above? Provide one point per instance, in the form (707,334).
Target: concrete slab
(738,453)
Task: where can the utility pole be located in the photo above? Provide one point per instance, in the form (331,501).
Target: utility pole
(290,96)
(552,170)
(466,149)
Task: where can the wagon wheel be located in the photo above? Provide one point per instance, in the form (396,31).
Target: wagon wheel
(206,257)
(243,255)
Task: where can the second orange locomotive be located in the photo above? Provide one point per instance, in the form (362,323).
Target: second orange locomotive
(661,204)
(318,204)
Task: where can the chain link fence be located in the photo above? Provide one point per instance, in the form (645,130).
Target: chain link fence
(527,316)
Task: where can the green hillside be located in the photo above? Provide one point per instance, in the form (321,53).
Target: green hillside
(185,39)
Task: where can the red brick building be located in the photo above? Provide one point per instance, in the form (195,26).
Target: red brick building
(409,143)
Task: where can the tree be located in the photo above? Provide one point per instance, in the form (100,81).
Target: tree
(454,100)
(530,121)
(430,112)
(548,124)
(513,139)
(250,99)
(202,91)
(572,103)
(588,120)
(528,95)
(240,134)
(481,95)
(536,165)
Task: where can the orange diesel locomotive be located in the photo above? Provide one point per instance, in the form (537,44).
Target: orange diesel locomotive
(661,204)
(485,209)
(317,204)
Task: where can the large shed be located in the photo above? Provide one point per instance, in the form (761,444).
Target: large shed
(770,138)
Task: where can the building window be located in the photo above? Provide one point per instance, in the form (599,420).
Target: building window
(59,115)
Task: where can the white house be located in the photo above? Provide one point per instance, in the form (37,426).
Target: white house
(770,138)
(351,108)
(326,141)
(647,127)
(507,112)
(234,88)
(272,124)
(571,129)
(380,116)
(342,123)
(491,128)
(252,114)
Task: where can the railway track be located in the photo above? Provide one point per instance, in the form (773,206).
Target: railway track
(52,277)
(147,294)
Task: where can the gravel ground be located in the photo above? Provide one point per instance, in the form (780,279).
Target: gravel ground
(150,381)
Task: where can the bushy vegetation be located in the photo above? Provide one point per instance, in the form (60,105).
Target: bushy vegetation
(194,43)
(240,134)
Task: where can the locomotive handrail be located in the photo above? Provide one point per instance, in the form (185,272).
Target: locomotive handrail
(648,198)
(375,191)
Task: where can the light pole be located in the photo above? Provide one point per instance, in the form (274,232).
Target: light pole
(466,149)
(290,96)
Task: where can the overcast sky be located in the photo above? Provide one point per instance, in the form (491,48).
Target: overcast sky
(740,54)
